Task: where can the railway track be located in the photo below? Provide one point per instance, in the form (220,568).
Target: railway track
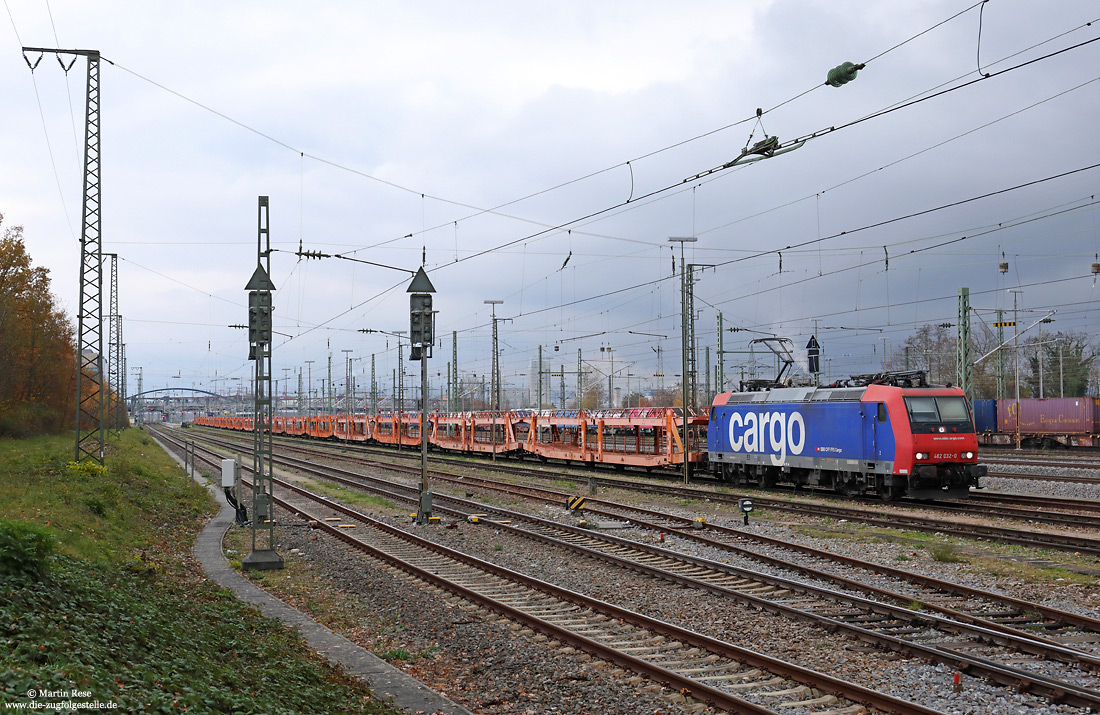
(718,673)
(897,519)
(1042,459)
(939,632)
(1071,478)
(1036,501)
(503,465)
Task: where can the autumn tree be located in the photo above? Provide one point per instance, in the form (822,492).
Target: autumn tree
(595,394)
(668,397)
(36,346)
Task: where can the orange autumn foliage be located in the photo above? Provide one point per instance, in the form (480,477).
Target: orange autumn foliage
(37,352)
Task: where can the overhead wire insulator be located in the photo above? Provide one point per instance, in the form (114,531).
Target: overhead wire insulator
(843,74)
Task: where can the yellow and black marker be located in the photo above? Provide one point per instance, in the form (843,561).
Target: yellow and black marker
(575,503)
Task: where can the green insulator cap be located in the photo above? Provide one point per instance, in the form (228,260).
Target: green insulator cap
(842,74)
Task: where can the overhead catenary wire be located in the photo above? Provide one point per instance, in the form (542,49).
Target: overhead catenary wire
(495,209)
(818,134)
(859,265)
(629,198)
(914,214)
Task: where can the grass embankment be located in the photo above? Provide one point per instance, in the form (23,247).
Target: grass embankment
(99,594)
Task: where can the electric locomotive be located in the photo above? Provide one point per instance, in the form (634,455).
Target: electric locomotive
(889,434)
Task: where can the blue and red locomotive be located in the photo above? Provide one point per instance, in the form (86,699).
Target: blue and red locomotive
(890,434)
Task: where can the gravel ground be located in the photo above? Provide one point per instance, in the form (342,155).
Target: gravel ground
(487,663)
(491,666)
(733,622)
(1071,490)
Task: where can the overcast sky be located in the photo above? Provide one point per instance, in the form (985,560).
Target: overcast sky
(494,141)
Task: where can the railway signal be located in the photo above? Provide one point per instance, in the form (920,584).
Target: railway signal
(263,555)
(745,507)
(420,336)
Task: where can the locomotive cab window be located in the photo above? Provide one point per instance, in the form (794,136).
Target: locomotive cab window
(937,410)
(881,412)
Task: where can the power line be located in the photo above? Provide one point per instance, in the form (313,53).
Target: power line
(495,209)
(924,212)
(847,268)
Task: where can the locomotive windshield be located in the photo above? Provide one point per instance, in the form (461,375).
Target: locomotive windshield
(937,410)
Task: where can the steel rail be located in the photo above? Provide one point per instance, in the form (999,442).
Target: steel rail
(1039,501)
(686,685)
(896,520)
(1073,479)
(1056,690)
(679,524)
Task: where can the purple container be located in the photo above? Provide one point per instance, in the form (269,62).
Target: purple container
(1056,415)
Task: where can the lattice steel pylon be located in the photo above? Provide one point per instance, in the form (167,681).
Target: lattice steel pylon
(720,376)
(690,366)
(964,363)
(301,396)
(373,388)
(90,403)
(115,370)
(122,382)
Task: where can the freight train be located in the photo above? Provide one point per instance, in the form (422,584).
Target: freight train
(1051,422)
(891,435)
(649,437)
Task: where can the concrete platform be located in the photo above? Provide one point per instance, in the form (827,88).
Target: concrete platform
(387,682)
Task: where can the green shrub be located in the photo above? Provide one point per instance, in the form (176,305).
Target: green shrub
(24,549)
(88,468)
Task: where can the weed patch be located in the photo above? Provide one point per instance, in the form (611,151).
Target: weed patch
(945,553)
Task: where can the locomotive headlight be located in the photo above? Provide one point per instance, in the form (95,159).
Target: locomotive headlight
(970,455)
(922,455)
(942,430)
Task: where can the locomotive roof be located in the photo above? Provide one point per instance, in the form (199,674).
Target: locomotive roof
(796,394)
(818,394)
